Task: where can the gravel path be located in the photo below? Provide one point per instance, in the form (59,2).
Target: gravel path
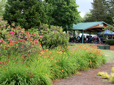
(88,77)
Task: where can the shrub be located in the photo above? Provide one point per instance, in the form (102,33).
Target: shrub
(112,77)
(110,41)
(104,75)
(53,37)
(16,40)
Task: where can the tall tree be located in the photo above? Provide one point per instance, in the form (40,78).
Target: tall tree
(65,13)
(27,13)
(87,18)
(103,10)
(109,4)
(98,11)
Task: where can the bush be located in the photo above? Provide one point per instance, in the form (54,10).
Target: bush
(53,37)
(15,41)
(110,41)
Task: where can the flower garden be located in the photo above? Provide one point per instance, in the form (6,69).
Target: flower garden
(36,57)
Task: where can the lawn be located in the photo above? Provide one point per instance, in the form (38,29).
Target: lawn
(109,54)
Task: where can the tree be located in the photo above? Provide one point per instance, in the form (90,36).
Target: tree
(64,14)
(26,13)
(2,6)
(110,27)
(98,11)
(103,10)
(109,4)
(87,18)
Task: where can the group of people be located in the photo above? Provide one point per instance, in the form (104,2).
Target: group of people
(90,39)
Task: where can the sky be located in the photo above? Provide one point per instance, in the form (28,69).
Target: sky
(84,6)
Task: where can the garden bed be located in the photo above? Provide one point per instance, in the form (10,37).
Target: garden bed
(106,47)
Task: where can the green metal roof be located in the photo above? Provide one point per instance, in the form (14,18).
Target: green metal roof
(85,25)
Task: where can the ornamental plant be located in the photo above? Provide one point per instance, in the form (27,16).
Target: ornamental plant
(104,75)
(16,40)
(112,77)
(39,68)
(53,37)
(100,73)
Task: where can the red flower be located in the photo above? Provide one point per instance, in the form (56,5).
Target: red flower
(40,37)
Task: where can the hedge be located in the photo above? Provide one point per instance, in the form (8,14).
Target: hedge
(110,41)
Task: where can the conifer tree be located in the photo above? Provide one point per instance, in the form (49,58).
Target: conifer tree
(26,13)
(98,11)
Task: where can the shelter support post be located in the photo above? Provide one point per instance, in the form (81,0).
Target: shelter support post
(73,35)
(82,36)
(90,34)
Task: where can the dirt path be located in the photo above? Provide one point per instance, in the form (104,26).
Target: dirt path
(88,77)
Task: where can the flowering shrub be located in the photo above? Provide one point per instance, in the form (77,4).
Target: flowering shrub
(16,40)
(53,37)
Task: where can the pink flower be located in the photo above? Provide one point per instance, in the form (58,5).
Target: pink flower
(11,32)
(1,45)
(34,34)
(19,36)
(12,41)
(29,35)
(23,46)
(4,42)
(4,25)
(0,41)
(26,37)
(40,37)
(12,35)
(21,40)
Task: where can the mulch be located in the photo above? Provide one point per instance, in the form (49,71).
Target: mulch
(88,77)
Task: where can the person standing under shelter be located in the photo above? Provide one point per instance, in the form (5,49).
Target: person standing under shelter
(99,40)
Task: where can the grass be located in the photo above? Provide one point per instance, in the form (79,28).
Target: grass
(109,54)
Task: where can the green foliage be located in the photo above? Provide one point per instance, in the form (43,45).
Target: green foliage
(98,11)
(110,41)
(14,41)
(40,68)
(53,37)
(63,13)
(103,10)
(36,72)
(25,13)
